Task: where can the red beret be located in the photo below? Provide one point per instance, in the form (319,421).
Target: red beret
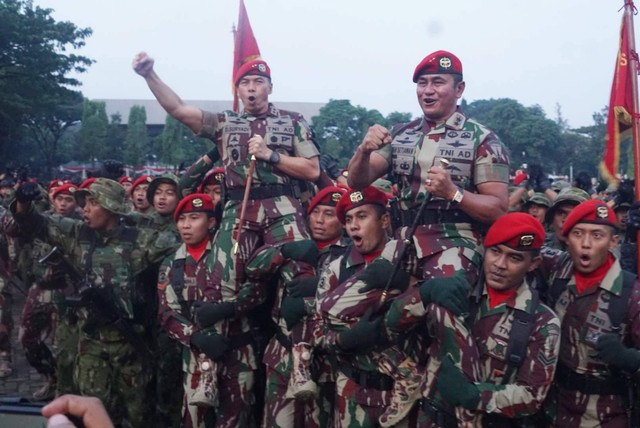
(328,196)
(194,203)
(439,62)
(125,179)
(591,211)
(68,188)
(141,180)
(520,231)
(87,183)
(55,183)
(257,68)
(356,198)
(215,176)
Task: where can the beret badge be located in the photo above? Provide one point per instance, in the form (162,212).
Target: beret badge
(356,197)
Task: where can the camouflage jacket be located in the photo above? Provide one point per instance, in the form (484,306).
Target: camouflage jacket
(283,131)
(200,286)
(475,153)
(524,392)
(109,259)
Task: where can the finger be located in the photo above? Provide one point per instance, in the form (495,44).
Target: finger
(60,421)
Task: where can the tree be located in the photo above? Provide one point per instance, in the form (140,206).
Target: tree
(35,60)
(136,140)
(92,137)
(172,141)
(114,141)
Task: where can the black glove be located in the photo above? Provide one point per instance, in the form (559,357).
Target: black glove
(363,335)
(454,387)
(450,292)
(292,310)
(614,353)
(303,287)
(207,314)
(28,192)
(213,154)
(305,250)
(377,274)
(213,346)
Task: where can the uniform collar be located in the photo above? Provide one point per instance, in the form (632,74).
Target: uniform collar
(272,111)
(455,122)
(521,301)
(612,281)
(354,258)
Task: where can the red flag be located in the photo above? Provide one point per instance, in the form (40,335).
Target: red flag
(620,117)
(245,48)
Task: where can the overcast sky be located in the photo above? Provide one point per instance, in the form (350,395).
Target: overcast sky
(544,52)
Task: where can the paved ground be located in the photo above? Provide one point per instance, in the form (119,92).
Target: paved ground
(24,380)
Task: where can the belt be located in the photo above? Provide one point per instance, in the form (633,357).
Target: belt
(285,341)
(240,340)
(435,217)
(611,385)
(367,379)
(440,417)
(262,192)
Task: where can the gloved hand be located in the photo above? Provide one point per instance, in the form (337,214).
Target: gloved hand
(521,180)
(377,274)
(207,313)
(305,250)
(292,310)
(28,192)
(303,287)
(363,335)
(454,387)
(450,292)
(213,346)
(613,352)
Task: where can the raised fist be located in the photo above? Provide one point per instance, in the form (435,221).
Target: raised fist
(28,192)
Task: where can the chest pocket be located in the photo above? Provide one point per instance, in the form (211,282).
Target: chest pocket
(403,152)
(236,134)
(497,345)
(280,135)
(458,148)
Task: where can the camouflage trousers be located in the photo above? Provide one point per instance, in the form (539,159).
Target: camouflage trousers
(113,371)
(452,340)
(235,392)
(65,349)
(37,324)
(168,381)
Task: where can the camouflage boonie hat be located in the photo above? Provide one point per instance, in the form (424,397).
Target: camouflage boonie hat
(559,185)
(539,199)
(572,196)
(166,178)
(109,194)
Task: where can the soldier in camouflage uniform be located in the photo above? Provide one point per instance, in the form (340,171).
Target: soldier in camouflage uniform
(513,381)
(203,318)
(44,306)
(212,184)
(599,307)
(138,192)
(111,356)
(557,213)
(537,205)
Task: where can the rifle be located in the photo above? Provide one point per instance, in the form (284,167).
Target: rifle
(98,301)
(408,240)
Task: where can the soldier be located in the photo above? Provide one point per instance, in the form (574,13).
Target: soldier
(537,206)
(599,307)
(210,325)
(138,192)
(105,256)
(556,215)
(44,307)
(516,363)
(212,184)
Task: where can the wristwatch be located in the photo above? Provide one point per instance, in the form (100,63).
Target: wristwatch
(274,158)
(457,197)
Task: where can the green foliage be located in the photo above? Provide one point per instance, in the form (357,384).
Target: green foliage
(136,140)
(92,137)
(114,141)
(36,57)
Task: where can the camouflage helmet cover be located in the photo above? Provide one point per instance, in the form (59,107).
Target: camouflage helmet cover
(109,193)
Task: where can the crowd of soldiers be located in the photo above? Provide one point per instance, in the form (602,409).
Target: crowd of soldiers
(415,288)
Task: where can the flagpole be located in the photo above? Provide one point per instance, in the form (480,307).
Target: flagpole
(629,9)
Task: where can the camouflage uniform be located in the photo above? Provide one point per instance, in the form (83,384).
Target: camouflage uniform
(108,365)
(583,319)
(236,369)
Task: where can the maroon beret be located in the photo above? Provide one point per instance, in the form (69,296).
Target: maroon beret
(68,188)
(520,231)
(328,196)
(125,179)
(439,62)
(193,203)
(141,180)
(215,176)
(355,198)
(55,183)
(256,68)
(87,183)
(591,211)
